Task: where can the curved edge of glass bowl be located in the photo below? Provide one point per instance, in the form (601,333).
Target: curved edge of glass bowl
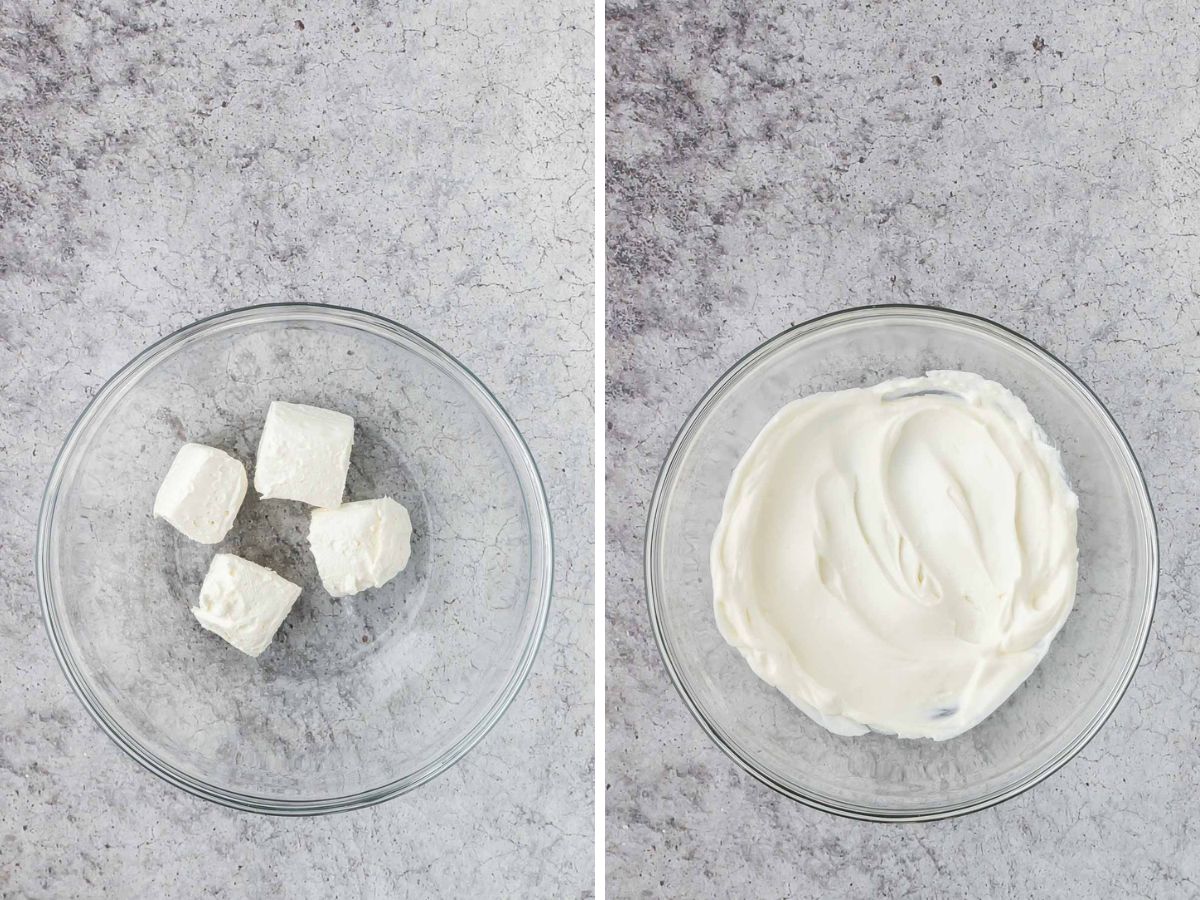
(743,760)
(541,580)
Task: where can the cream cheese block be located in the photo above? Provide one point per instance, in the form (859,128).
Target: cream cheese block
(360,545)
(243,602)
(202,493)
(304,454)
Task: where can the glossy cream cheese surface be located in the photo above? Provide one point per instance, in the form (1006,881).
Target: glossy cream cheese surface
(897,558)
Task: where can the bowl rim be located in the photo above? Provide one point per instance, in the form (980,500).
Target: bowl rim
(539,590)
(653,538)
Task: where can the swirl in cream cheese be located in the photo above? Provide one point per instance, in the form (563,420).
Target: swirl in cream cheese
(897,558)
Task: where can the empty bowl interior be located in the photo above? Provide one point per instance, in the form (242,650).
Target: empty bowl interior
(1068,696)
(375,691)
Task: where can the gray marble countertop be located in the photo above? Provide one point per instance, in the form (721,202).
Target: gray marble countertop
(430,162)
(1035,163)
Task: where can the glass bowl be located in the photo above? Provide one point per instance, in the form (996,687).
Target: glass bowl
(1049,718)
(357,700)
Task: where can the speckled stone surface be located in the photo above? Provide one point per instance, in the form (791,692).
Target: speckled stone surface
(427,161)
(1036,163)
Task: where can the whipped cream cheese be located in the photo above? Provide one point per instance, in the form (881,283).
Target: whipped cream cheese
(360,545)
(243,602)
(897,558)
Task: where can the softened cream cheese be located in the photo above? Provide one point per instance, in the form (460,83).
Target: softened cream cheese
(304,454)
(202,493)
(897,558)
(360,545)
(243,602)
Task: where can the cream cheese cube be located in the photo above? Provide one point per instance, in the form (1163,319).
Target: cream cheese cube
(243,602)
(360,545)
(303,454)
(202,493)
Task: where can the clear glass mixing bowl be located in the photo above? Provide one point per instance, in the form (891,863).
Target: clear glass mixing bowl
(1049,718)
(357,700)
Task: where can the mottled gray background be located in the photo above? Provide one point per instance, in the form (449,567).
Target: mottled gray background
(1037,163)
(428,161)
